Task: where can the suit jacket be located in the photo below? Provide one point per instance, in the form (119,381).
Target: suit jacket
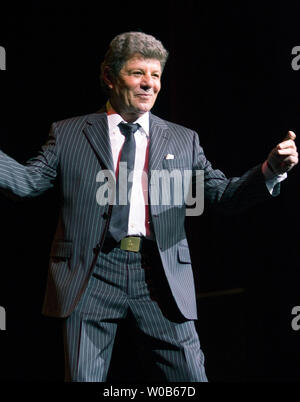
(77,149)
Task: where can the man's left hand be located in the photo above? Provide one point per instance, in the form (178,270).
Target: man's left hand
(284,156)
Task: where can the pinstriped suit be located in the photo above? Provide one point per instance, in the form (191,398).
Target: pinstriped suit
(76,150)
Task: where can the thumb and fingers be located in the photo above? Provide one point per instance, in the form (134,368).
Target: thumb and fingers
(290,136)
(284,156)
(288,141)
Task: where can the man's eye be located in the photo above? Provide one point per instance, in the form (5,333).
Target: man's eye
(137,72)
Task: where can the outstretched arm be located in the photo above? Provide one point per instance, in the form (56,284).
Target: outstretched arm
(237,193)
(36,176)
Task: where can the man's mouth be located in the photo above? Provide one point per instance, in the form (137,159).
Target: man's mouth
(146,96)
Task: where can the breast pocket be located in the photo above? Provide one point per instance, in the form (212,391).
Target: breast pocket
(184,255)
(170,182)
(173,164)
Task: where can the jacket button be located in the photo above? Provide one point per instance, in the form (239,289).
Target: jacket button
(105,215)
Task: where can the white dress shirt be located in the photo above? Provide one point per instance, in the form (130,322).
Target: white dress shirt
(272,180)
(138,223)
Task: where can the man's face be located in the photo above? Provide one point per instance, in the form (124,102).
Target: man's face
(135,90)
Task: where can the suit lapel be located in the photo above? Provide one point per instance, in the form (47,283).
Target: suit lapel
(97,134)
(159,138)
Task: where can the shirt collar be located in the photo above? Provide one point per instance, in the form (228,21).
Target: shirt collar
(114,119)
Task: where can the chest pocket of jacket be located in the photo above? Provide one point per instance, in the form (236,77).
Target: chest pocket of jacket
(168,183)
(173,164)
(184,255)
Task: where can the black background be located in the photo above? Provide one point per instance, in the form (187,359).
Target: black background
(229,77)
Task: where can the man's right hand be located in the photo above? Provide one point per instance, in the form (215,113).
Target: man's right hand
(284,156)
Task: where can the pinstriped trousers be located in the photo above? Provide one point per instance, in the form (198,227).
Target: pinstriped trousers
(121,282)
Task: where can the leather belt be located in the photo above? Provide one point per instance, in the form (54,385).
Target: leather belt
(130,243)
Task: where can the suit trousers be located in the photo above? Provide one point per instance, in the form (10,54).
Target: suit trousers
(123,283)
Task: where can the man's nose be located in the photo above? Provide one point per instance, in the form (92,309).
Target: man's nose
(147,82)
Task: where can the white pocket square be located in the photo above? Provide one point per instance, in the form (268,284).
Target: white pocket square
(170,156)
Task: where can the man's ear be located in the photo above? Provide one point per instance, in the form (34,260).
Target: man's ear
(106,76)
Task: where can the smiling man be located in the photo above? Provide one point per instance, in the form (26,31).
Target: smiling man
(117,260)
(135,89)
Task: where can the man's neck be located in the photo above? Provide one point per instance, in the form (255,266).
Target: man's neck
(129,117)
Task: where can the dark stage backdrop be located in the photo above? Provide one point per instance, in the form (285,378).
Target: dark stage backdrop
(232,78)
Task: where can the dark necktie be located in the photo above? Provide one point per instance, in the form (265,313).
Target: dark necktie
(118,226)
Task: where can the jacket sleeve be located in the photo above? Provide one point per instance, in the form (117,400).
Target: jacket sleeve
(36,175)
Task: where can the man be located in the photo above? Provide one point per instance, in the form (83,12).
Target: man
(109,259)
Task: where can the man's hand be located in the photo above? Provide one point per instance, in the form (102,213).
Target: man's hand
(284,156)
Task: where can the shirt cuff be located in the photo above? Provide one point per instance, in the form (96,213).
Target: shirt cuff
(272,180)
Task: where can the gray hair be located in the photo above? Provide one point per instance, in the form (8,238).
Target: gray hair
(123,46)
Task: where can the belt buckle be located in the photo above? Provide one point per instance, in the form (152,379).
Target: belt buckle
(131,244)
